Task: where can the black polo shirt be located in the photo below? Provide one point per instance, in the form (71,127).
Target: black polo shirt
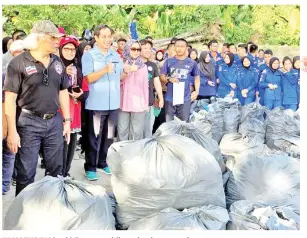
(25,78)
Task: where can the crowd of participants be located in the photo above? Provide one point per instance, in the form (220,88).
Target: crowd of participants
(57,86)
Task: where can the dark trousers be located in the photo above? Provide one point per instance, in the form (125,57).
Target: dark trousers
(34,132)
(159,120)
(8,159)
(97,149)
(181,111)
(69,152)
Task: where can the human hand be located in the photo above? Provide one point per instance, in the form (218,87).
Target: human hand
(133,67)
(212,84)
(110,68)
(66,131)
(233,85)
(194,95)
(69,70)
(174,80)
(13,141)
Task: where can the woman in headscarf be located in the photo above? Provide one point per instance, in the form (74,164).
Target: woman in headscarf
(207,76)
(289,85)
(67,50)
(228,76)
(6,42)
(247,82)
(159,58)
(270,81)
(134,95)
(193,54)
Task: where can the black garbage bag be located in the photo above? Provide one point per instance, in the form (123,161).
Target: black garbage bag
(60,204)
(195,218)
(270,180)
(196,131)
(166,171)
(246,215)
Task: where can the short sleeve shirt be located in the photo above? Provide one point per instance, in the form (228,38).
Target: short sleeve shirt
(25,76)
(152,73)
(182,70)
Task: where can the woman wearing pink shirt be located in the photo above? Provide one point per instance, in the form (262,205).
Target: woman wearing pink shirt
(134,95)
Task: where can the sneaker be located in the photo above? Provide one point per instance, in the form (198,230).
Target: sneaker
(5,192)
(14,182)
(91,176)
(105,170)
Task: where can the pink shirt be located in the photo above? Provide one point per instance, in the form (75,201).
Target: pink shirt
(134,91)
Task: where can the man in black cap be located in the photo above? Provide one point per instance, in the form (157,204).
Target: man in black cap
(36,81)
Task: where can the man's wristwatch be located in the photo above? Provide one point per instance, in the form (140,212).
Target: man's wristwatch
(67,119)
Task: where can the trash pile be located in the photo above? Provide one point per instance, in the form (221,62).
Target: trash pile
(163,172)
(53,204)
(230,167)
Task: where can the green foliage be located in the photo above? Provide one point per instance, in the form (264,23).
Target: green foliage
(273,24)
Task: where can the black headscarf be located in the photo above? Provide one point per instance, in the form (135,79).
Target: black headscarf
(80,50)
(242,60)
(195,52)
(5,40)
(231,57)
(296,58)
(74,62)
(285,59)
(272,60)
(207,69)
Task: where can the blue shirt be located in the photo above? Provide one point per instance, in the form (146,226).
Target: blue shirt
(219,61)
(182,70)
(247,79)
(104,94)
(227,75)
(254,60)
(289,87)
(271,77)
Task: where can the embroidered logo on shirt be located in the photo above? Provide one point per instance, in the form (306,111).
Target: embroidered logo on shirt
(58,67)
(31,70)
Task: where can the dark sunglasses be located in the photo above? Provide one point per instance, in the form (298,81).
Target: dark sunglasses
(45,79)
(135,49)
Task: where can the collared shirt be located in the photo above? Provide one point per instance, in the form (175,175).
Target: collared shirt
(25,76)
(104,94)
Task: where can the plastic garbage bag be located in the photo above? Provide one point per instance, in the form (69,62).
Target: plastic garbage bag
(215,117)
(252,110)
(246,215)
(235,144)
(167,171)
(252,127)
(290,145)
(203,218)
(279,124)
(60,204)
(195,131)
(231,119)
(271,180)
(198,105)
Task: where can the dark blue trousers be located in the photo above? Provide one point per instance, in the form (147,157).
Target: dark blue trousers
(34,132)
(97,146)
(8,159)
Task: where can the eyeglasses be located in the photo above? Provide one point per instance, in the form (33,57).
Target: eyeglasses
(46,79)
(72,50)
(136,49)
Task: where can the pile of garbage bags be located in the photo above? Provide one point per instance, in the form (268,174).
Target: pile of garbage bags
(246,215)
(203,218)
(283,131)
(162,172)
(53,204)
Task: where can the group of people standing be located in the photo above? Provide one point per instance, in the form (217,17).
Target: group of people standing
(58,87)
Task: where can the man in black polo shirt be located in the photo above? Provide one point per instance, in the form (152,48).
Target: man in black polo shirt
(37,81)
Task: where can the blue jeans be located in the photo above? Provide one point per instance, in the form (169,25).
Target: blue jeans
(34,132)
(271,104)
(97,148)
(290,106)
(149,122)
(8,159)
